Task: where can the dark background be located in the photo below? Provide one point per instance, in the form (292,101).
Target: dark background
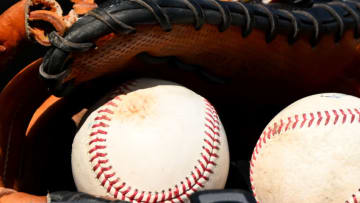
(4,4)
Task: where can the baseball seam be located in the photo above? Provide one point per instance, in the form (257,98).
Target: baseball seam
(354,198)
(106,175)
(305,120)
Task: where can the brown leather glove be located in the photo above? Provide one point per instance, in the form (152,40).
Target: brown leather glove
(12,196)
(20,23)
(12,30)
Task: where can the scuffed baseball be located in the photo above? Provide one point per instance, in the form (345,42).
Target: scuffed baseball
(150,141)
(310,152)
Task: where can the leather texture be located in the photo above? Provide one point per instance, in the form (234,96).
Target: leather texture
(292,43)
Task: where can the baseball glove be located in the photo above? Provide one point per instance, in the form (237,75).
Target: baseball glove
(28,19)
(15,50)
(243,57)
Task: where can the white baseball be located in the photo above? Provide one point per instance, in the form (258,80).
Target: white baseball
(152,141)
(310,152)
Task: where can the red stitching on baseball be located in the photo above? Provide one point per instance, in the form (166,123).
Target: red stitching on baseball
(253,157)
(209,110)
(358,112)
(102,170)
(106,111)
(98,155)
(121,186)
(199,184)
(327,117)
(320,118)
(270,132)
(304,120)
(126,191)
(156,197)
(296,121)
(103,182)
(260,140)
(118,188)
(274,128)
(251,162)
(207,103)
(211,145)
(198,171)
(354,198)
(162,196)
(212,123)
(344,116)
(103,117)
(336,116)
(202,165)
(169,195)
(209,153)
(207,160)
(215,120)
(99,163)
(111,103)
(311,120)
(98,132)
(96,148)
(133,195)
(352,115)
(109,175)
(141,196)
(212,129)
(177,194)
(105,172)
(266,134)
(176,191)
(211,137)
(280,127)
(183,185)
(97,140)
(116,193)
(118,98)
(288,124)
(205,177)
(111,183)
(101,124)
(264,137)
(193,176)
(148,197)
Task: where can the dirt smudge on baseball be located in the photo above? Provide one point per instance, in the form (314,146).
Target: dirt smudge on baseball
(135,105)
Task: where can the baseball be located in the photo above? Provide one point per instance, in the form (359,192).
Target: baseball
(310,152)
(150,141)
